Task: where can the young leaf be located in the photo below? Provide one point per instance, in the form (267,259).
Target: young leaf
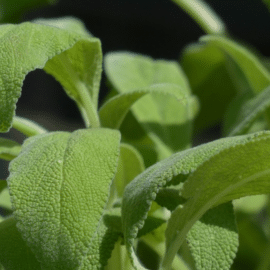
(74,59)
(232,173)
(205,67)
(14,252)
(256,74)
(204,15)
(66,176)
(160,175)
(168,113)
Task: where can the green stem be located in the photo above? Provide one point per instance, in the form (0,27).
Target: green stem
(204,15)
(27,127)
(88,111)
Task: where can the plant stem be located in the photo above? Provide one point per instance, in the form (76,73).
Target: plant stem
(89,113)
(27,127)
(204,15)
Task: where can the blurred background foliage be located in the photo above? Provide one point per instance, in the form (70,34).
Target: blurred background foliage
(160,29)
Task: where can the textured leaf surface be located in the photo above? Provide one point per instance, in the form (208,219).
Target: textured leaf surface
(9,149)
(140,193)
(128,72)
(238,171)
(256,74)
(14,253)
(168,114)
(213,240)
(72,58)
(59,187)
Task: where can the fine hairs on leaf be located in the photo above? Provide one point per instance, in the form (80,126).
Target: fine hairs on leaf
(130,190)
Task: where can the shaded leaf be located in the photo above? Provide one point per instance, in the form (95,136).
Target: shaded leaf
(205,67)
(256,74)
(14,252)
(167,116)
(9,149)
(140,193)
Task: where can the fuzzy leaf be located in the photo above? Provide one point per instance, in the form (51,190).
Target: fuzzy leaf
(74,59)
(168,114)
(232,173)
(256,74)
(9,149)
(129,71)
(14,253)
(59,186)
(140,193)
(213,240)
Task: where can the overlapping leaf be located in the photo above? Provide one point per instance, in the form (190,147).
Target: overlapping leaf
(166,118)
(235,172)
(59,187)
(129,73)
(143,189)
(205,67)
(248,111)
(72,58)
(14,252)
(255,73)
(9,149)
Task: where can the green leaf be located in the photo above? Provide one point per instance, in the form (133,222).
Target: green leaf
(205,67)
(3,185)
(248,111)
(5,199)
(9,149)
(74,59)
(204,15)
(13,10)
(140,193)
(14,252)
(129,71)
(130,164)
(168,113)
(213,240)
(232,173)
(256,74)
(59,186)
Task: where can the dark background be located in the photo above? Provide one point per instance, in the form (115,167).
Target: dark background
(157,28)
